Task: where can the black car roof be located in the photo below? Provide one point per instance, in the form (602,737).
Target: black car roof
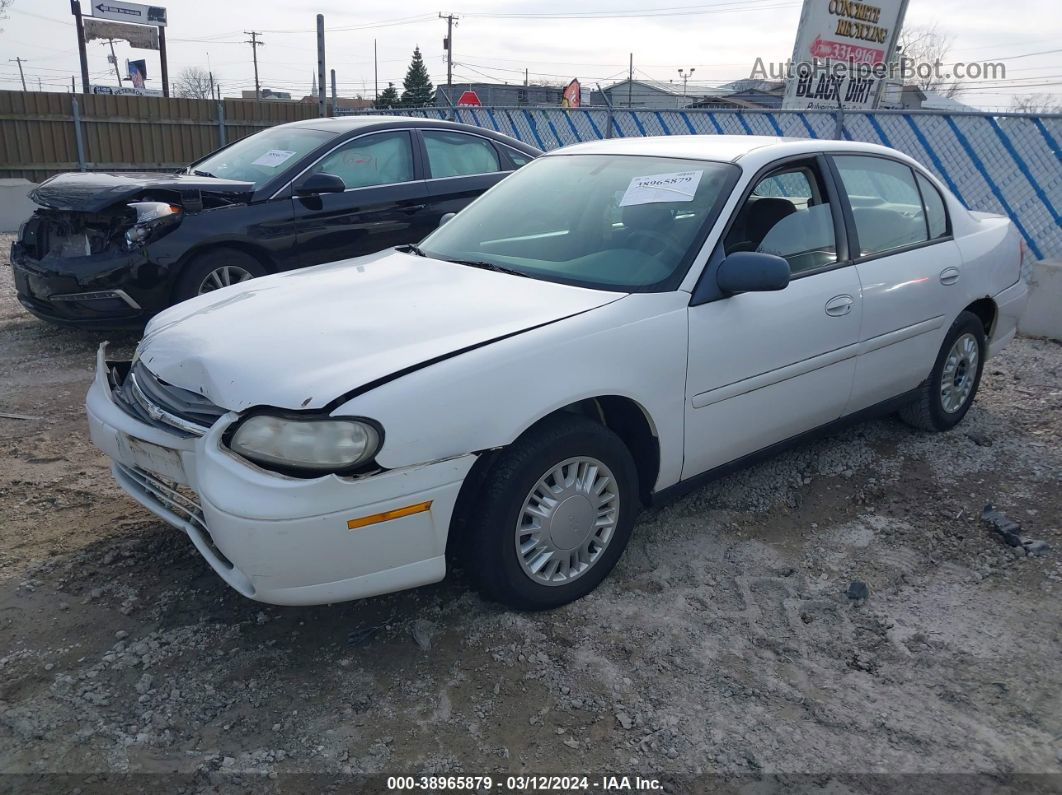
(342,125)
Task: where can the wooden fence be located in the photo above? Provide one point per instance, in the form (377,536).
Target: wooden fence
(45,133)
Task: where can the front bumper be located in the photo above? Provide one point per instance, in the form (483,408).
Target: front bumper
(278,539)
(115,289)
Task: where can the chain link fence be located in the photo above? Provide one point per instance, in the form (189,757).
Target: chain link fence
(1005,163)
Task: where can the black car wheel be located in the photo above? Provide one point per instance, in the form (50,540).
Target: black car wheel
(215,269)
(554,516)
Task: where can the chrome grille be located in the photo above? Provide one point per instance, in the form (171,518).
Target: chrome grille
(150,399)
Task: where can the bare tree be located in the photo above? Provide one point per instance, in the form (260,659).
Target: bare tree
(928,48)
(1037,103)
(4,5)
(194,83)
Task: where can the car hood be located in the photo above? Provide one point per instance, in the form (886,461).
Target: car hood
(90,192)
(303,339)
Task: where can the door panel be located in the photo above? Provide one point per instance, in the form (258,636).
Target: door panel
(452,194)
(460,167)
(906,306)
(767,366)
(337,226)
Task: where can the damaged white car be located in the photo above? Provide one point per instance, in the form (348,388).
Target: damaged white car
(608,326)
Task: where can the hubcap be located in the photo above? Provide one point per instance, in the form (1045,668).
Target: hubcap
(960,369)
(567,521)
(223,277)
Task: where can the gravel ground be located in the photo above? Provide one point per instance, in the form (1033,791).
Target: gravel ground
(724,642)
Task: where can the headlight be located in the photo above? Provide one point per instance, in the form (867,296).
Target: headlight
(151,219)
(312,445)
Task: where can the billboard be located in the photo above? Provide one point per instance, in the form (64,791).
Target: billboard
(126,91)
(136,72)
(138,36)
(572,96)
(841,53)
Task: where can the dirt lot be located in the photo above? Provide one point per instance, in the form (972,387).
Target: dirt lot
(724,643)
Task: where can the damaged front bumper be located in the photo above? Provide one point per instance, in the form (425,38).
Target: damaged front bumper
(111,289)
(277,539)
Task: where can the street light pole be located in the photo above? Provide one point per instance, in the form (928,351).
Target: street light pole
(685,78)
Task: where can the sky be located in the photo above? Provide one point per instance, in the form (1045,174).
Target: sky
(496,41)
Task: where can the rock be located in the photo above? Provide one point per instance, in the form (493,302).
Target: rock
(228,761)
(858,590)
(571,742)
(121,634)
(261,618)
(978,438)
(276,727)
(422,632)
(49,666)
(1034,547)
(624,720)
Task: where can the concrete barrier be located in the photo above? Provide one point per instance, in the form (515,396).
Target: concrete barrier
(15,206)
(1043,316)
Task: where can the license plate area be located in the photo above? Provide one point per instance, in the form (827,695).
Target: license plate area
(154,458)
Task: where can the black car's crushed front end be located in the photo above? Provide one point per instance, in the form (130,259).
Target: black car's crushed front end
(76,268)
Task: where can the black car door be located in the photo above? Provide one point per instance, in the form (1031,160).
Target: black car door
(460,166)
(384,205)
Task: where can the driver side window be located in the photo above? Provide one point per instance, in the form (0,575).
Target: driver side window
(788,214)
(379,159)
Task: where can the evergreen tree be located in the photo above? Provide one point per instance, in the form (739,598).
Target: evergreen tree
(388,98)
(418,91)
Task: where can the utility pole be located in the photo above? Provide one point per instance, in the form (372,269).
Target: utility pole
(73,85)
(334,93)
(630,81)
(114,60)
(20,61)
(321,88)
(526,78)
(685,77)
(75,9)
(375,74)
(448,45)
(255,43)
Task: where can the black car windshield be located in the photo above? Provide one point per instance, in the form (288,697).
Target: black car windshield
(262,156)
(605,221)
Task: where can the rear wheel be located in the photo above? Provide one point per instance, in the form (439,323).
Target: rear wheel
(952,385)
(215,269)
(554,516)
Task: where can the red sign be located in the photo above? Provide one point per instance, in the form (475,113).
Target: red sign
(469,98)
(572,96)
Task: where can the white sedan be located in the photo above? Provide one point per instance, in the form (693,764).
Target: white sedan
(605,328)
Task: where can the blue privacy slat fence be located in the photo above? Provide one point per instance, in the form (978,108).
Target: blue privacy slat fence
(1003,163)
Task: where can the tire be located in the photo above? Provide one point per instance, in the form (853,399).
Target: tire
(561,445)
(938,409)
(206,272)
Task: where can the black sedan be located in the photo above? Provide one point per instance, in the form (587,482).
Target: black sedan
(110,250)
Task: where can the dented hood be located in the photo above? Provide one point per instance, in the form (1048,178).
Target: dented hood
(87,192)
(301,339)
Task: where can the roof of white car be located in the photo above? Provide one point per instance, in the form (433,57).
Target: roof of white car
(726,148)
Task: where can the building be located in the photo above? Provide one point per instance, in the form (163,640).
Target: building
(343,104)
(268,93)
(501,94)
(751,93)
(642,94)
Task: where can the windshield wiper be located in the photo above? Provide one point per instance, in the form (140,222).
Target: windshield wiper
(204,174)
(488,266)
(411,248)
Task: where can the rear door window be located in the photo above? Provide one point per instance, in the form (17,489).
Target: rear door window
(453,154)
(885,201)
(936,213)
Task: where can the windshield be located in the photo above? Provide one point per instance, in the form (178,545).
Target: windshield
(605,221)
(260,157)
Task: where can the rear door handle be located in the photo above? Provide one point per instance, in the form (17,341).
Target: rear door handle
(949,275)
(839,305)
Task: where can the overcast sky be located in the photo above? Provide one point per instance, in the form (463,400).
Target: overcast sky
(721,39)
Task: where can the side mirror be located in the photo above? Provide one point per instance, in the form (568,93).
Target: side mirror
(321,182)
(751,272)
(446,218)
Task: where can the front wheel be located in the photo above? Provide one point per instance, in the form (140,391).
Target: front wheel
(215,269)
(554,516)
(952,385)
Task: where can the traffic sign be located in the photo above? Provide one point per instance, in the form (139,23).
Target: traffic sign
(469,98)
(129,12)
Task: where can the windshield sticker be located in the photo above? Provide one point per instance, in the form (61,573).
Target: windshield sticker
(678,187)
(273,158)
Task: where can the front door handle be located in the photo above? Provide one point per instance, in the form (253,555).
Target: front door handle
(839,305)
(414,208)
(949,275)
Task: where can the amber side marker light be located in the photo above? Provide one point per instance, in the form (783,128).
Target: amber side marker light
(386,516)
